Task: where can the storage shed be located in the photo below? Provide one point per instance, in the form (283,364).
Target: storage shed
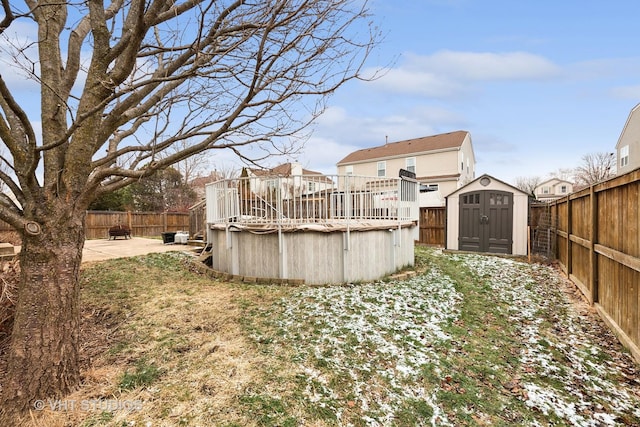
(487,215)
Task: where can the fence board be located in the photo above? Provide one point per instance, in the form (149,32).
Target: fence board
(142,224)
(432,225)
(598,247)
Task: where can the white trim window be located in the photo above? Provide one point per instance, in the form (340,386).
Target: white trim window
(382,168)
(410,164)
(348,170)
(624,156)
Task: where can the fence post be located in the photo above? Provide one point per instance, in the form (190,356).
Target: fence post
(164,221)
(593,267)
(569,233)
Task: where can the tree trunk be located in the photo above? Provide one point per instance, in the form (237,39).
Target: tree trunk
(42,360)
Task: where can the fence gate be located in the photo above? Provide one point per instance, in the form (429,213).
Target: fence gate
(486,222)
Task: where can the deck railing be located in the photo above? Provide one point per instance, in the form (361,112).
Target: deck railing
(307,199)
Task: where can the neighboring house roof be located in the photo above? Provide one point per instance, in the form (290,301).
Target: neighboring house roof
(411,146)
(286,170)
(555,181)
(634,110)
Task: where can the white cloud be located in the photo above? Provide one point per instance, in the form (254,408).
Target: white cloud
(419,82)
(337,133)
(321,154)
(626,92)
(486,66)
(448,73)
(367,131)
(18,54)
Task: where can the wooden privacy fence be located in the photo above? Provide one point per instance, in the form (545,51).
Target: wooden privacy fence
(142,224)
(598,247)
(432,225)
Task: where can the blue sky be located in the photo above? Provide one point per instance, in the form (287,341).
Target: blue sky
(538,84)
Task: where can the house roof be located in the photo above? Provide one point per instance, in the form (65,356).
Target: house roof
(410,146)
(556,180)
(285,170)
(632,113)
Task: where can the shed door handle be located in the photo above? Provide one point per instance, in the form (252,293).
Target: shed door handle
(484,219)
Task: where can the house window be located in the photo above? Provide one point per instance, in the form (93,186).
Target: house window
(382,168)
(411,164)
(546,190)
(563,189)
(624,156)
(311,186)
(348,170)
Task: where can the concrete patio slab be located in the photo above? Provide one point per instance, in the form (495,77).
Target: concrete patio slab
(100,250)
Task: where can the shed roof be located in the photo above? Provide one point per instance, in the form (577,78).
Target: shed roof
(464,187)
(409,146)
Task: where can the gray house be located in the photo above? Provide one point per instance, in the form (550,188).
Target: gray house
(628,146)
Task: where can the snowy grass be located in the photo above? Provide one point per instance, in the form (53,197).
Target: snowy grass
(473,340)
(566,375)
(361,348)
(469,341)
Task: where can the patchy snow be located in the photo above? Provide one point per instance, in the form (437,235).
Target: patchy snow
(565,381)
(384,328)
(368,345)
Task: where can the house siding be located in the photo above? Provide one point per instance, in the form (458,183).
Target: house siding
(450,167)
(629,137)
(554,187)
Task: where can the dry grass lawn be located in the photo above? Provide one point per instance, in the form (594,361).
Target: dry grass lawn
(163,341)
(469,341)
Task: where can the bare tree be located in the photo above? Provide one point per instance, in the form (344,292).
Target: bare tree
(565,174)
(528,184)
(191,167)
(595,167)
(121,83)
